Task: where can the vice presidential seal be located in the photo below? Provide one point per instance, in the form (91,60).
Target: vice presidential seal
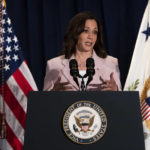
(84,122)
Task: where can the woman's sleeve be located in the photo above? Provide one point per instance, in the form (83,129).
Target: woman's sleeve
(117,75)
(48,82)
(51,76)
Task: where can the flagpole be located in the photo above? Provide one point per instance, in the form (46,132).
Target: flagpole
(2,107)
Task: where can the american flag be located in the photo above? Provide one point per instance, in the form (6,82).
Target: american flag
(16,82)
(145,108)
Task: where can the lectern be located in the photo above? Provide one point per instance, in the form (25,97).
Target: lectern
(45,112)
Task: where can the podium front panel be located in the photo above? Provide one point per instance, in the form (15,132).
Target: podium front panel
(44,129)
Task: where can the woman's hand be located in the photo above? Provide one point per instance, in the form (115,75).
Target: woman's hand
(106,85)
(63,86)
(109,85)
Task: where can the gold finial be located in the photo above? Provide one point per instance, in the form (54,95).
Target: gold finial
(4,2)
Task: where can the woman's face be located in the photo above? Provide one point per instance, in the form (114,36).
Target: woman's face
(88,37)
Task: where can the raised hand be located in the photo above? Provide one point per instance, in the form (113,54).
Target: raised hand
(63,86)
(109,85)
(106,85)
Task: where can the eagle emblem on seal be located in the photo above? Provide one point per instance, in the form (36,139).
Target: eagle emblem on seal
(84,121)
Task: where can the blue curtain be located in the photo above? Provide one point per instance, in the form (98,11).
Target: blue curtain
(40,26)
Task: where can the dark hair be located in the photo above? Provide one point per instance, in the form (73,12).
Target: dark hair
(75,27)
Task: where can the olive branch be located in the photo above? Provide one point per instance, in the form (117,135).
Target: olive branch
(134,85)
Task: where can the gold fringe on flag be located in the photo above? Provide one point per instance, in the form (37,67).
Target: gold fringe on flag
(4,2)
(145,90)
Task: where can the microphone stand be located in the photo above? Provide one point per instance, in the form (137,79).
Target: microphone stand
(83,87)
(89,80)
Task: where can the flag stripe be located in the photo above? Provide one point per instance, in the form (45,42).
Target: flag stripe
(14,105)
(147,117)
(4,145)
(26,73)
(13,123)
(143,104)
(17,92)
(13,140)
(144,108)
(146,114)
(145,111)
(22,82)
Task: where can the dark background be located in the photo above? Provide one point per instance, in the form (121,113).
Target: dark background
(40,26)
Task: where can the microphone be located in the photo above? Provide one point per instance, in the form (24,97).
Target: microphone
(90,71)
(74,70)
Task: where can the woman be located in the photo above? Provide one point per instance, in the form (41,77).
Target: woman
(83,40)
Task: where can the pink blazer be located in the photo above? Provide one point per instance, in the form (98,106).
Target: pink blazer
(59,66)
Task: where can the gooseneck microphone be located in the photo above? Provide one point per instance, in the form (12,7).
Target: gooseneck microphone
(74,70)
(90,71)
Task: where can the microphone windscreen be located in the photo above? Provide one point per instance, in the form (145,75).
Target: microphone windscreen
(73,68)
(73,64)
(90,63)
(90,67)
